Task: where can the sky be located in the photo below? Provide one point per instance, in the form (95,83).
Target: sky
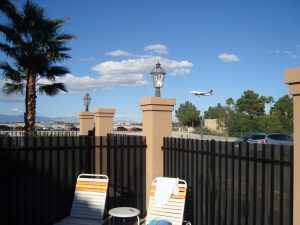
(229,46)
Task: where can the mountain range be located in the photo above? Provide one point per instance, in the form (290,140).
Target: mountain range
(72,119)
(20,118)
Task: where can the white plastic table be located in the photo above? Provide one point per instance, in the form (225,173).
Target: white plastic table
(124,212)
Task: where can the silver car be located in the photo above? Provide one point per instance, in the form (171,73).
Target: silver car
(271,138)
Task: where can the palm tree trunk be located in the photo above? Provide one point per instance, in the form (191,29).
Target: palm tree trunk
(26,110)
(31,102)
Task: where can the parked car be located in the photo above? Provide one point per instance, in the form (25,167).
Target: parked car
(135,129)
(241,140)
(271,138)
(122,129)
(74,129)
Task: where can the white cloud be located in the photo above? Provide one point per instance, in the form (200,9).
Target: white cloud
(16,110)
(290,54)
(85,83)
(225,57)
(130,73)
(118,53)
(181,71)
(157,48)
(287,53)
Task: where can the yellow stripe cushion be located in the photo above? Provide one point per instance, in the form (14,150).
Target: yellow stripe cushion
(91,186)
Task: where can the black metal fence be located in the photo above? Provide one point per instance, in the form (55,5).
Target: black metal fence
(38,174)
(39,133)
(233,185)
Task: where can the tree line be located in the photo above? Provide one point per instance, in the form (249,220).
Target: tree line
(247,114)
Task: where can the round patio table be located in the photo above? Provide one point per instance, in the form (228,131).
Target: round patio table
(124,212)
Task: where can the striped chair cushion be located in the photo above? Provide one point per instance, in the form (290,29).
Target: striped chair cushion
(172,211)
(90,197)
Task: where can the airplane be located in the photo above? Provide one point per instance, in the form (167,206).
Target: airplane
(202,93)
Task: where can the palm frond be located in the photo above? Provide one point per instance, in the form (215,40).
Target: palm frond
(10,10)
(13,88)
(57,23)
(53,72)
(8,50)
(11,35)
(58,71)
(61,38)
(10,73)
(52,89)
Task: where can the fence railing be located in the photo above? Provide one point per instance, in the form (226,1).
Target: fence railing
(39,133)
(38,174)
(228,185)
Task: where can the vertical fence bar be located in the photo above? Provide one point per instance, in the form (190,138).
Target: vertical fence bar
(272,187)
(202,184)
(291,184)
(219,213)
(263,186)
(254,184)
(282,181)
(212,180)
(196,186)
(239,185)
(247,186)
(232,184)
(226,185)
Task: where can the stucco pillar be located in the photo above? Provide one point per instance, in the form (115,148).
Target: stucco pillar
(157,124)
(86,122)
(103,125)
(292,78)
(103,121)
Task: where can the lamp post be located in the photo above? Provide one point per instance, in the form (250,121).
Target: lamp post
(201,124)
(87,101)
(202,118)
(158,76)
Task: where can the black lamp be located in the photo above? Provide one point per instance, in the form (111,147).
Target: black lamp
(158,76)
(87,101)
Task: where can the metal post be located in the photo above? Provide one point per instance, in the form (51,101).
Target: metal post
(157,92)
(201,126)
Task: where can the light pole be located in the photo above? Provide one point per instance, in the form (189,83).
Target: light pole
(198,93)
(201,124)
(158,76)
(87,101)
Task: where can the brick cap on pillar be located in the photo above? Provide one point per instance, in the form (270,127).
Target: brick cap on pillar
(292,78)
(107,112)
(86,115)
(157,104)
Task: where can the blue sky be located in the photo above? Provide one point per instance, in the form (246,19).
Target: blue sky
(227,46)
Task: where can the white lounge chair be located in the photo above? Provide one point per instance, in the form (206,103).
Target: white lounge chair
(89,201)
(172,211)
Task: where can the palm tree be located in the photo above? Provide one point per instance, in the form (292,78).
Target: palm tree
(35,46)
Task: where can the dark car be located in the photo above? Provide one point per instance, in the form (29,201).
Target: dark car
(241,140)
(136,129)
(271,138)
(122,129)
